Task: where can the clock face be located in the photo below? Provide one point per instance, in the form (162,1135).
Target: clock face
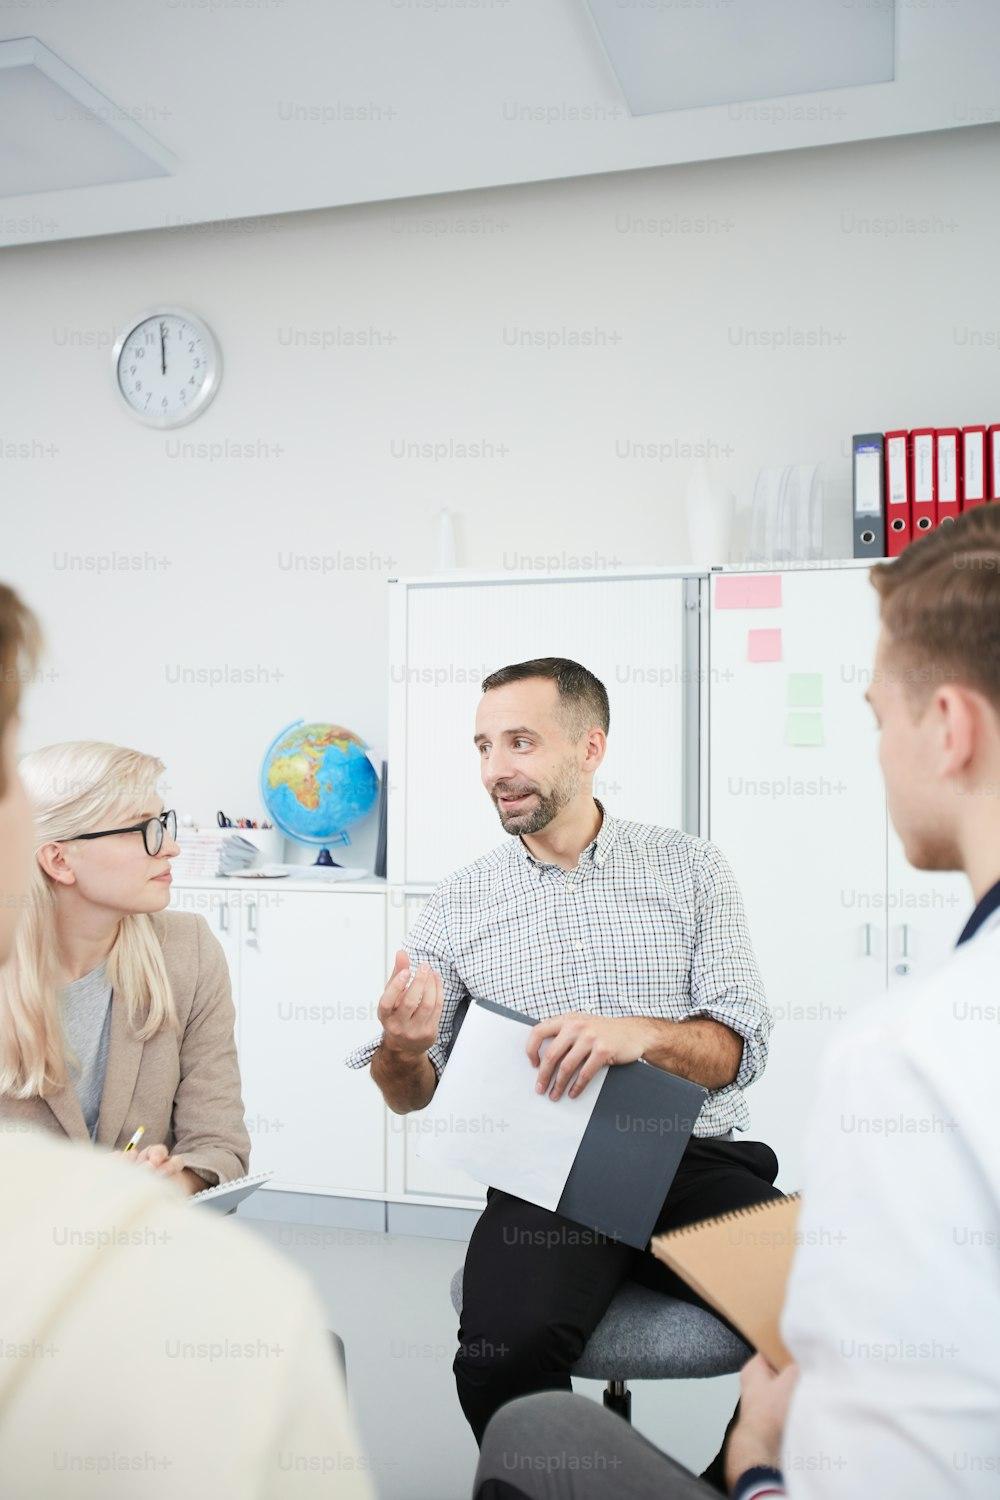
(167,368)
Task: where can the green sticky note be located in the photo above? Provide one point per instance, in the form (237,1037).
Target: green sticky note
(805,690)
(804,729)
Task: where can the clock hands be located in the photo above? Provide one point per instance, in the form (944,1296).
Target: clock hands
(163,353)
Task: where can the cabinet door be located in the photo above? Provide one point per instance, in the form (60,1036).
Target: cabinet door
(311,972)
(926,911)
(421,1176)
(629,632)
(804,826)
(220,906)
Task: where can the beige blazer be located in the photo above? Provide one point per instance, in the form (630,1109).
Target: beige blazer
(183,1086)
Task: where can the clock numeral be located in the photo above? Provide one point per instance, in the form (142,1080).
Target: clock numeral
(138,385)
(149,336)
(191,347)
(140,353)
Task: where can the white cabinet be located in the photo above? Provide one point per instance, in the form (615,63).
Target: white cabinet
(308,969)
(836,913)
(446,637)
(803,825)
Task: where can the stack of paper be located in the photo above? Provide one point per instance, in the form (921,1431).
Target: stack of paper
(215,851)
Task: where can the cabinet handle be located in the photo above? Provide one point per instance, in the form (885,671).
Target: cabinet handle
(252,919)
(868,940)
(905,941)
(223,916)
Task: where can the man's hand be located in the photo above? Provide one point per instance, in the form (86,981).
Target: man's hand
(585,1041)
(410,1008)
(764,1398)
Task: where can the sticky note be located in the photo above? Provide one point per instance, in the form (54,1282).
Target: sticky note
(748,591)
(763,645)
(804,729)
(805,690)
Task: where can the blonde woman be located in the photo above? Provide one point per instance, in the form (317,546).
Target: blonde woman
(115,1013)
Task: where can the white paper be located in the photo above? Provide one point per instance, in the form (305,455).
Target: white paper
(487,1119)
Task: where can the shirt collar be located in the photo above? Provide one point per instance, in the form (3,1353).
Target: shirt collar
(596,851)
(984,908)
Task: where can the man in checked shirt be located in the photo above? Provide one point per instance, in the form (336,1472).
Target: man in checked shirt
(630,942)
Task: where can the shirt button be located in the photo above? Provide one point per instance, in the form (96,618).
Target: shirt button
(578,947)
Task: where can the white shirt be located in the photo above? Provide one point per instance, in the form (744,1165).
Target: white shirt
(893,1308)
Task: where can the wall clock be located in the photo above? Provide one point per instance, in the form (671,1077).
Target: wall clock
(166,367)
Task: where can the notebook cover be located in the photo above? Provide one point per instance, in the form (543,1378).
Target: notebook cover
(631,1149)
(739,1262)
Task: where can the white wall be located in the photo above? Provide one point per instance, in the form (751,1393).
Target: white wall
(881,257)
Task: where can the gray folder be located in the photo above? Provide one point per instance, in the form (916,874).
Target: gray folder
(631,1149)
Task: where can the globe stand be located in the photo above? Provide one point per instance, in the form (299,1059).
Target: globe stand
(325,858)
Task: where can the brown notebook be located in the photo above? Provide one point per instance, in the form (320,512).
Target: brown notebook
(739,1262)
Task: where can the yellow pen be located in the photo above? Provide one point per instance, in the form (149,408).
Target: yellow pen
(136,1138)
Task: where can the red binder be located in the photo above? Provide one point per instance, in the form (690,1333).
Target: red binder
(974,476)
(949,474)
(993,460)
(923,479)
(898,522)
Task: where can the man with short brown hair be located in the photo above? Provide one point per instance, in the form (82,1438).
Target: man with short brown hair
(623,940)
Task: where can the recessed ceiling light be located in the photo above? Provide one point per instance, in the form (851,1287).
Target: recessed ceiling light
(685,54)
(57,131)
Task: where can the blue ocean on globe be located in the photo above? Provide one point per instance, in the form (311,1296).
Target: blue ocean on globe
(316,781)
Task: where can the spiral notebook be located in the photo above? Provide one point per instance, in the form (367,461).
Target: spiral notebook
(224,1197)
(739,1263)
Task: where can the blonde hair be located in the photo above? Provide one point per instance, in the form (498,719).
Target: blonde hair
(74,788)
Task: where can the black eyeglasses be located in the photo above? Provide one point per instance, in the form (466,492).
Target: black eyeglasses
(152,831)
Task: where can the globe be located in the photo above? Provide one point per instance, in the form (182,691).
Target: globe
(316,781)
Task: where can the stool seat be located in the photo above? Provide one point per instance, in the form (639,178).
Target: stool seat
(645,1335)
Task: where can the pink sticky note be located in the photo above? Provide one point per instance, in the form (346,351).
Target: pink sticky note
(748,591)
(763,645)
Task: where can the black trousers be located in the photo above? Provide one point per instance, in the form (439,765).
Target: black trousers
(536,1285)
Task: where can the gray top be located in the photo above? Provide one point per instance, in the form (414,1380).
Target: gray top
(86,1009)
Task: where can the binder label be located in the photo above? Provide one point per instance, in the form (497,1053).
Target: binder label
(867,476)
(947,468)
(974,474)
(923,468)
(897,470)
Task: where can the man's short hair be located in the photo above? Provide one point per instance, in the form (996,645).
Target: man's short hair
(582,696)
(20,647)
(940,604)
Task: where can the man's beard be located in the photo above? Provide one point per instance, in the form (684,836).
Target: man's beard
(548,804)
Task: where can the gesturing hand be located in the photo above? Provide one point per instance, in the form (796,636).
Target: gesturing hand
(410,1008)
